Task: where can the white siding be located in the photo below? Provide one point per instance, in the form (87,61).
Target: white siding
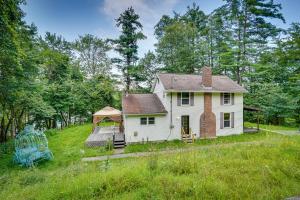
(161,130)
(159,90)
(237,108)
(193,112)
(154,132)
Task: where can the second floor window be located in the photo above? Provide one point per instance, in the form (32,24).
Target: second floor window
(226,98)
(185,98)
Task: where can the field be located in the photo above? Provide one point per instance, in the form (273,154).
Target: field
(249,166)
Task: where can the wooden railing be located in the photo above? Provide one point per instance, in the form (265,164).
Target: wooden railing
(191,134)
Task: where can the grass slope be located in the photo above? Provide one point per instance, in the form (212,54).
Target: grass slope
(268,168)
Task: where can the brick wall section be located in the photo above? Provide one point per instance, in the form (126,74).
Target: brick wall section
(206,77)
(207,118)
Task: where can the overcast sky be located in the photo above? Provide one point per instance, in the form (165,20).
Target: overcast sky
(71,18)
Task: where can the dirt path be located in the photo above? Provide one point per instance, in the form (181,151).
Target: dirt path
(283,132)
(142,154)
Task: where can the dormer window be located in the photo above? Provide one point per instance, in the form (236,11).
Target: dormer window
(185,98)
(226,98)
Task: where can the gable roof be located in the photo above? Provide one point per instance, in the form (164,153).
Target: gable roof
(192,82)
(139,104)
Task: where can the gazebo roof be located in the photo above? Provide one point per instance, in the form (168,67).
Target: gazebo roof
(108,111)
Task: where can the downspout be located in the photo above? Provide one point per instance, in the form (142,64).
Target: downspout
(171,109)
(171,115)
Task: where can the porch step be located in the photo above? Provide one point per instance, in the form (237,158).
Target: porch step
(119,141)
(186,138)
(119,144)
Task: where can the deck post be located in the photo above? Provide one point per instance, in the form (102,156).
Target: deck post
(257,122)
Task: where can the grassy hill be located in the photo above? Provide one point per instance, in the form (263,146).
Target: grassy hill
(267,167)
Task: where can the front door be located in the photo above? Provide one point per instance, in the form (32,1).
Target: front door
(185,124)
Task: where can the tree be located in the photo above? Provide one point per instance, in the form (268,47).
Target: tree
(127,46)
(182,44)
(92,55)
(18,68)
(148,68)
(176,50)
(250,30)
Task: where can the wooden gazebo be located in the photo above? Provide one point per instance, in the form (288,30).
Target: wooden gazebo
(107,112)
(254,110)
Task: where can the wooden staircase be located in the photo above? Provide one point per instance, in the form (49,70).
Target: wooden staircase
(187,138)
(119,140)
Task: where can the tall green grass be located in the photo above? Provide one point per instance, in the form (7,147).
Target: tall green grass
(266,169)
(259,171)
(155,146)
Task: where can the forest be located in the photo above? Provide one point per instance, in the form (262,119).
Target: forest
(54,83)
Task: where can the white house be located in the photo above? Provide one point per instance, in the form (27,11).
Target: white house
(202,106)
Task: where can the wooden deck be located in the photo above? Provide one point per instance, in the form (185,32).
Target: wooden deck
(101,135)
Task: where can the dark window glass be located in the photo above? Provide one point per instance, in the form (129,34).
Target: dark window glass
(226,98)
(185,98)
(226,120)
(143,120)
(151,120)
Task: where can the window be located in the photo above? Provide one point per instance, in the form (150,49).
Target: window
(147,120)
(226,98)
(151,120)
(143,120)
(226,120)
(185,98)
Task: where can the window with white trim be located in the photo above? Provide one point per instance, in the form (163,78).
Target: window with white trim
(226,98)
(151,120)
(226,120)
(143,120)
(185,98)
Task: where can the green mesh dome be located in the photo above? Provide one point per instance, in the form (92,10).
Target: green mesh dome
(31,146)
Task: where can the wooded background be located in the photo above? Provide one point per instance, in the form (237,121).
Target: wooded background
(52,82)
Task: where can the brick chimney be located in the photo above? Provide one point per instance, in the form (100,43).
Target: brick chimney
(207,118)
(206,77)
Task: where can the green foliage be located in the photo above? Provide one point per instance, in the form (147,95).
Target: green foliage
(175,50)
(92,57)
(147,69)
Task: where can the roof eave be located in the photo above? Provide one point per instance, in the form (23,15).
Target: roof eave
(143,114)
(208,91)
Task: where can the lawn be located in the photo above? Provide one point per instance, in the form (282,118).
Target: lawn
(272,127)
(266,168)
(263,135)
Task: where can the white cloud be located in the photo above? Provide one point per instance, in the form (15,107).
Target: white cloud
(149,11)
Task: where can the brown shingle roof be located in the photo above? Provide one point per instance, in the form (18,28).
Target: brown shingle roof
(142,104)
(190,82)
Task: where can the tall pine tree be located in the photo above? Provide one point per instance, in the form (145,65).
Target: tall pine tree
(127,46)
